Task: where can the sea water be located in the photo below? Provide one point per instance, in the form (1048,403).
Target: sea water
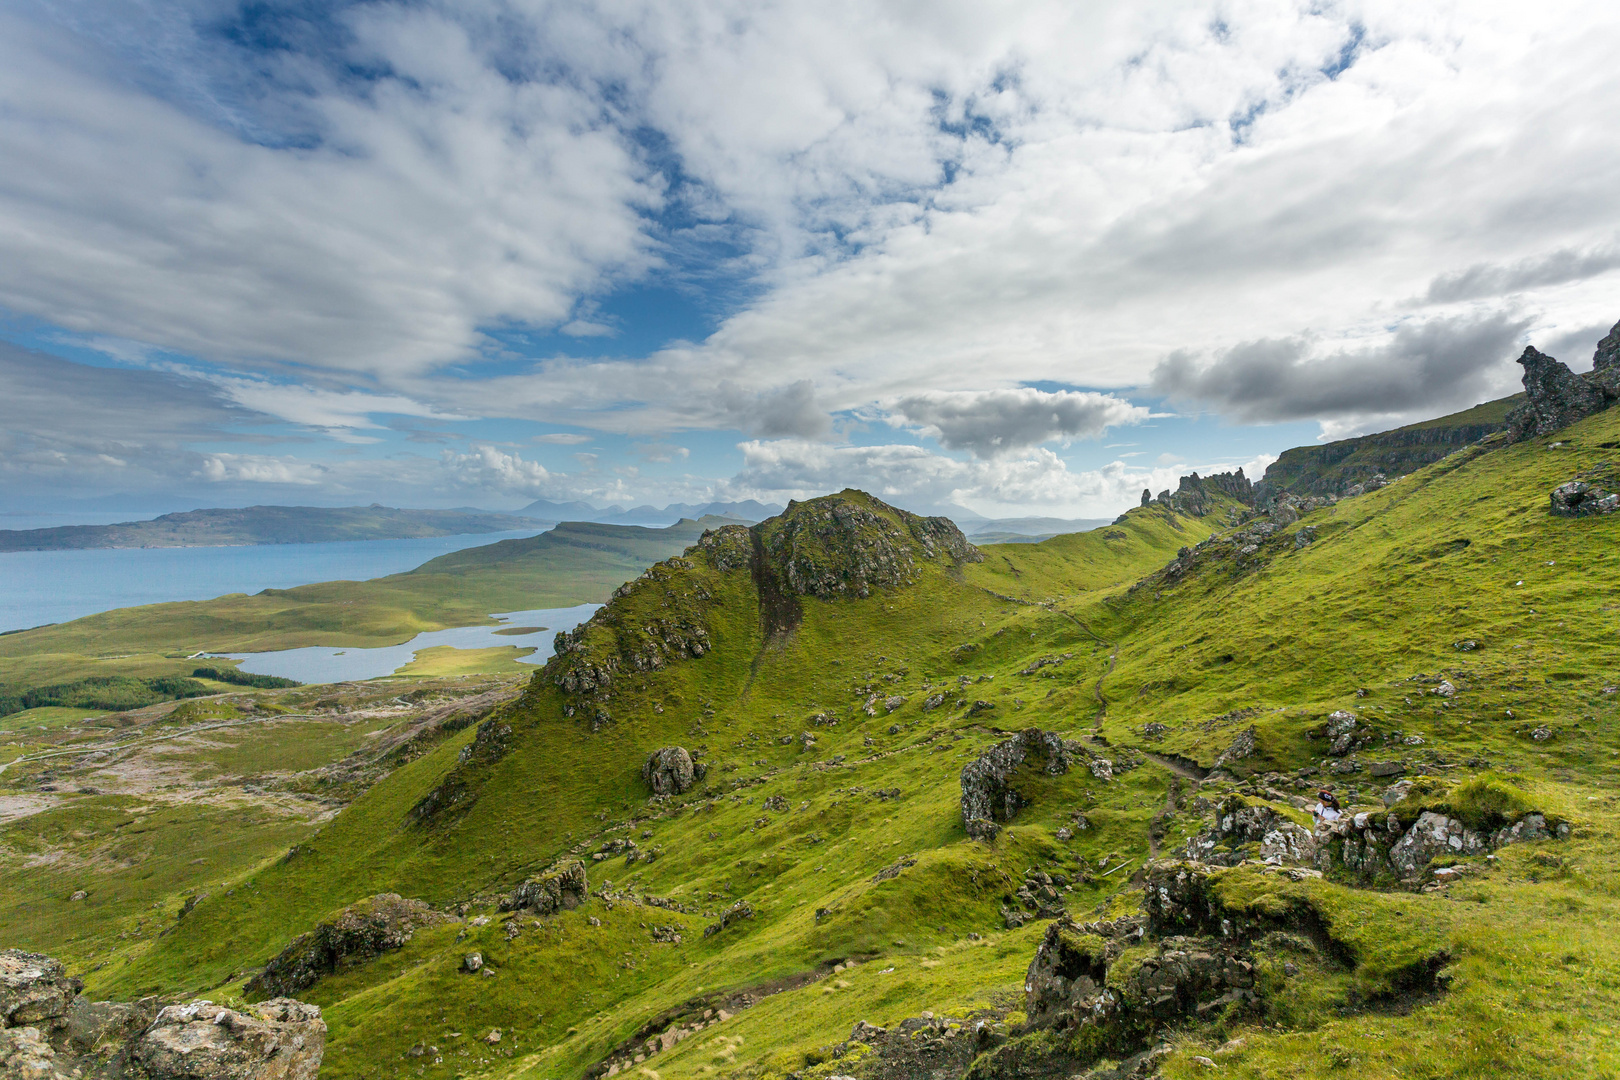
(324,664)
(39,587)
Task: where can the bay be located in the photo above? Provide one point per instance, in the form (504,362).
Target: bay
(39,587)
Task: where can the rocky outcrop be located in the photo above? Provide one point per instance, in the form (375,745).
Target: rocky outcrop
(48,1033)
(669,771)
(34,988)
(849,544)
(1555,397)
(736,913)
(562,888)
(843,545)
(1607,357)
(1195,494)
(1252,831)
(354,935)
(275,1040)
(988,796)
(1580,499)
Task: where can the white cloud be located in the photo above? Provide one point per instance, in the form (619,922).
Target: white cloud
(259,469)
(916,477)
(991,423)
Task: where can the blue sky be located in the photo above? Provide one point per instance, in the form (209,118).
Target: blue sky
(1026,260)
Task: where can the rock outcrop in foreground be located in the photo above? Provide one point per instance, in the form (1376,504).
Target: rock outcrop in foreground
(49,1032)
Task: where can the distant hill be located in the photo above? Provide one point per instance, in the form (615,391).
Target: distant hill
(1331,468)
(1030,530)
(265,525)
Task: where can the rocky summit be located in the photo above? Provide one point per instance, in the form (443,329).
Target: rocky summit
(1304,777)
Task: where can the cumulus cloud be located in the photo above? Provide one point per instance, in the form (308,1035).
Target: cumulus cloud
(1499,279)
(260,469)
(488,468)
(991,423)
(1436,363)
(917,478)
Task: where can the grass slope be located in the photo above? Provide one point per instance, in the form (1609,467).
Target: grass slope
(849,845)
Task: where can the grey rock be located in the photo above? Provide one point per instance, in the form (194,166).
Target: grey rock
(1239,826)
(1580,499)
(1385,768)
(26,1055)
(355,935)
(1341,732)
(562,888)
(1243,746)
(1433,835)
(280,1039)
(987,794)
(734,914)
(668,771)
(472,962)
(892,703)
(34,989)
(1607,356)
(1555,397)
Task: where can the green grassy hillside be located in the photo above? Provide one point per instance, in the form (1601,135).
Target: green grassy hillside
(575,563)
(1331,468)
(835,670)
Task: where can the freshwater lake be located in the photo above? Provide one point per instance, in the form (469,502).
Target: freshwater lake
(38,587)
(319,664)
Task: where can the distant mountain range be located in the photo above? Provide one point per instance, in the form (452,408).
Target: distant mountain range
(265,525)
(318,524)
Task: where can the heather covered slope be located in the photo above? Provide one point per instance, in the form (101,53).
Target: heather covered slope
(835,670)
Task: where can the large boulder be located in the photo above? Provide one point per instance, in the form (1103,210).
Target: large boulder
(669,771)
(987,795)
(279,1039)
(1580,499)
(1555,397)
(1432,835)
(34,989)
(561,888)
(354,935)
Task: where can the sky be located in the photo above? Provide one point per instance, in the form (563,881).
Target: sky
(1023,258)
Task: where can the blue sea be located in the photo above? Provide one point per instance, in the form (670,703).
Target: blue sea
(39,587)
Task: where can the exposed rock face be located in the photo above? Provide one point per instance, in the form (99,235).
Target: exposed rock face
(46,1033)
(1607,356)
(1194,494)
(837,546)
(1243,746)
(280,1039)
(668,771)
(356,934)
(1555,397)
(34,988)
(986,795)
(1580,499)
(1075,978)
(1371,844)
(1245,831)
(562,888)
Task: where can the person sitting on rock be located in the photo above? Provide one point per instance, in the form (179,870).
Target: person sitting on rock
(1327,806)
